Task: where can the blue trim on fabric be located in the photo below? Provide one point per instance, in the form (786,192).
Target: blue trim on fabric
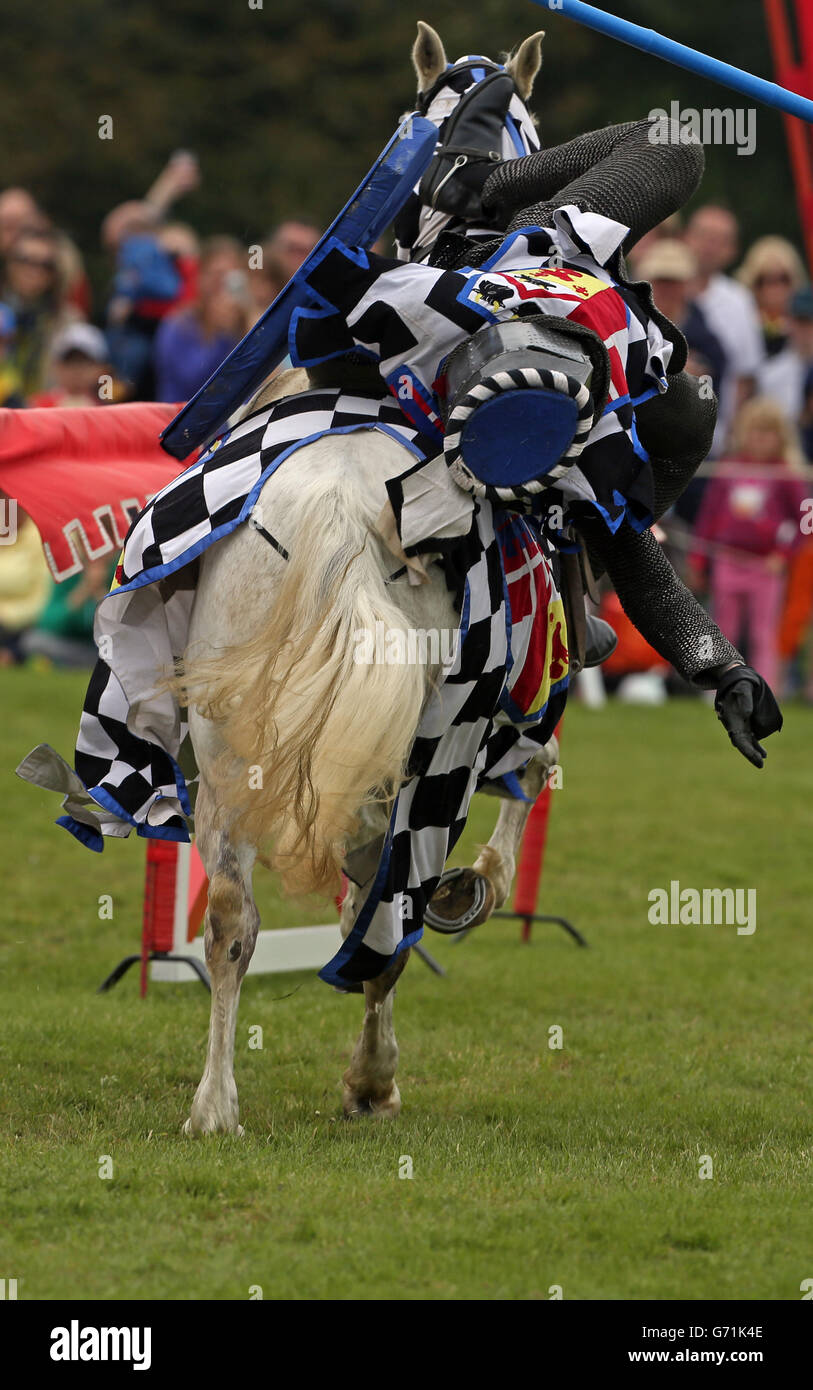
(499,530)
(315,314)
(636,443)
(517,716)
(325,308)
(464,298)
(186,557)
(513,128)
(330,972)
(163,832)
(149,832)
(637,523)
(417,417)
(506,245)
(511,782)
(105,799)
(646,396)
(465,613)
(478,74)
(612,406)
(85,834)
(180,787)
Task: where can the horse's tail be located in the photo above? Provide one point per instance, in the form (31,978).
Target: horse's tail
(317,727)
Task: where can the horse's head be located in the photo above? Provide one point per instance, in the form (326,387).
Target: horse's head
(480,109)
(430,61)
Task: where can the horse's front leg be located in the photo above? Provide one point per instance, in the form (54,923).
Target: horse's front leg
(231,927)
(370,1087)
(369,1082)
(497,860)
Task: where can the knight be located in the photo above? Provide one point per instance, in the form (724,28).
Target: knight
(554,383)
(543,401)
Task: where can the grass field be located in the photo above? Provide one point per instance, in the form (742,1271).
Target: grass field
(532,1167)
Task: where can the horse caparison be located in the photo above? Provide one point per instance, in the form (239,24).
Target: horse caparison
(300,749)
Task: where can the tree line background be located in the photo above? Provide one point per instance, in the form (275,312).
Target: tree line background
(287,105)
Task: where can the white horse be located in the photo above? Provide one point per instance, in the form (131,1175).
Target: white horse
(291,733)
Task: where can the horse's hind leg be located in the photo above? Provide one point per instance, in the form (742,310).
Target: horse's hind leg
(466,898)
(231,927)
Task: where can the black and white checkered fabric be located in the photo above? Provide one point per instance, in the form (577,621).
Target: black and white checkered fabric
(132,738)
(465,737)
(134,767)
(408,318)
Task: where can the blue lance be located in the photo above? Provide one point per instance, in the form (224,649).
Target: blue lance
(683,57)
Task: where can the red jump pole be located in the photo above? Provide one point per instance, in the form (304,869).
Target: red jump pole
(531,861)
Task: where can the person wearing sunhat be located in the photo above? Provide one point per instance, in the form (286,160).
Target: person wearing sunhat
(79,360)
(671,269)
(787,377)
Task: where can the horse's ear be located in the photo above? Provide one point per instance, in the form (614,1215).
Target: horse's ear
(524,65)
(429,56)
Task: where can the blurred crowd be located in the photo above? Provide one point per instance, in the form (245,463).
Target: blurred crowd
(176,304)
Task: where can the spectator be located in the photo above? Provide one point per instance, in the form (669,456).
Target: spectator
(154,272)
(63,632)
(11,394)
(786,376)
(748,526)
(192,343)
(146,285)
(72,274)
(183,245)
(25,585)
(671,269)
(713,238)
(18,211)
(33,289)
(669,230)
(289,245)
(265,282)
(773,271)
(79,357)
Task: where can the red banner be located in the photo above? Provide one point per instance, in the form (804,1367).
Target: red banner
(82,475)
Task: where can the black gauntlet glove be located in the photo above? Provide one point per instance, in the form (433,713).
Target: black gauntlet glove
(747,708)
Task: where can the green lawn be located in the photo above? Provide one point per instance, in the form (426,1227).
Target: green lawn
(532,1167)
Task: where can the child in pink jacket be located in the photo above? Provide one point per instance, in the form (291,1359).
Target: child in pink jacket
(748,524)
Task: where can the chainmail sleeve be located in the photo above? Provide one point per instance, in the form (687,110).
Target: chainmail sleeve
(619,172)
(659,604)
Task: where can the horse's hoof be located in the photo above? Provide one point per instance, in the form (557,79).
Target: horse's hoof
(462,899)
(191,1132)
(371,1107)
